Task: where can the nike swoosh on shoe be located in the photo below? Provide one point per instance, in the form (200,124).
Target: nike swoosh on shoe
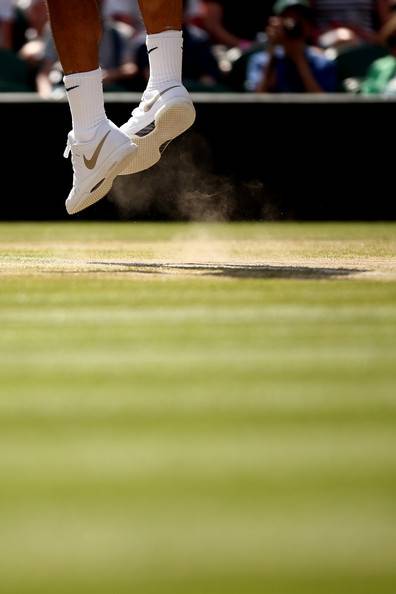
(149,104)
(90,163)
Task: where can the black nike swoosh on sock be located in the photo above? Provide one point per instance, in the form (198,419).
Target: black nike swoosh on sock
(152,49)
(71,88)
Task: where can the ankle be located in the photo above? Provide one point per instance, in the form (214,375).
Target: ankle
(165,52)
(85,96)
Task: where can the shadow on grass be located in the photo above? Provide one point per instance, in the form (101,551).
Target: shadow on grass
(247,271)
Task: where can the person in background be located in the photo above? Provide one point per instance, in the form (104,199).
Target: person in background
(36,17)
(362,18)
(191,10)
(124,11)
(291,64)
(381,77)
(128,11)
(6,23)
(232,25)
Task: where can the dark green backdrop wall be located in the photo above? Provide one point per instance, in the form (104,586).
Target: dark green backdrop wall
(275,159)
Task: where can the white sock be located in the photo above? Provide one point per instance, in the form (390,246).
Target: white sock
(85,95)
(165,52)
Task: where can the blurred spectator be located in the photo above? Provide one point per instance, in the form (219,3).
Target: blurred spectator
(25,20)
(6,22)
(234,24)
(191,10)
(200,67)
(381,77)
(36,22)
(350,20)
(126,11)
(291,64)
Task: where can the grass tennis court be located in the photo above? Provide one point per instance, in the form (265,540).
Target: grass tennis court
(197,409)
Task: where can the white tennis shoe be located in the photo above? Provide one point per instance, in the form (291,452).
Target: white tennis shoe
(96,164)
(162,115)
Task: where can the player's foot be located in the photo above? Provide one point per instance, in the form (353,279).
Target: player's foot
(161,116)
(96,163)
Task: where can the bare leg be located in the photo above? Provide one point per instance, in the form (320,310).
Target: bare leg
(100,151)
(76,27)
(162,15)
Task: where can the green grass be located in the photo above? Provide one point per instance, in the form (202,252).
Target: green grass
(197,409)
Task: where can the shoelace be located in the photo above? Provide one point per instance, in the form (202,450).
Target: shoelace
(67,150)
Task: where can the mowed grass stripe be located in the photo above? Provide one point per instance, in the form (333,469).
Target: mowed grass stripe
(173,433)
